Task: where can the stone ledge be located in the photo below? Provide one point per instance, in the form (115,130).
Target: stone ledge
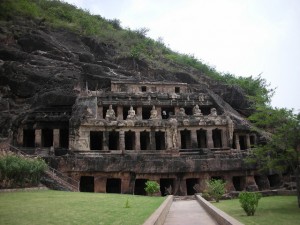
(159,216)
(221,217)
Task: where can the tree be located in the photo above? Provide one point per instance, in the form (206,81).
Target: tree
(216,188)
(281,152)
(151,187)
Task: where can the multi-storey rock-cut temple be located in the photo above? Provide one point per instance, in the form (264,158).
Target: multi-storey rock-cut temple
(173,133)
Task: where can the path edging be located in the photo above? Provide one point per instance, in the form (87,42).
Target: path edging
(221,217)
(160,214)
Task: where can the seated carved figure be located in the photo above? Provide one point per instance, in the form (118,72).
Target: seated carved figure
(181,112)
(153,113)
(131,113)
(213,112)
(110,113)
(197,111)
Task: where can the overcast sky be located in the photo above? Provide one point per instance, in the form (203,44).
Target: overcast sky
(242,37)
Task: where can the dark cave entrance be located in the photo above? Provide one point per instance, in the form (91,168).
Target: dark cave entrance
(261,182)
(113,185)
(160,140)
(139,187)
(239,182)
(185,139)
(129,140)
(190,183)
(217,138)
(96,140)
(47,137)
(243,143)
(64,138)
(166,112)
(113,140)
(145,140)
(29,138)
(274,180)
(86,184)
(146,113)
(201,138)
(166,185)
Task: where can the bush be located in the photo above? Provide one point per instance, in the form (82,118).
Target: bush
(216,188)
(151,187)
(17,171)
(249,202)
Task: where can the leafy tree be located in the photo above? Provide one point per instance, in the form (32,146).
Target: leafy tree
(216,188)
(281,151)
(249,202)
(151,187)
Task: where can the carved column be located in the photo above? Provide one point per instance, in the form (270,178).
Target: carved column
(100,113)
(139,113)
(55,138)
(105,140)
(210,142)
(251,184)
(100,184)
(178,146)
(122,140)
(237,142)
(203,181)
(152,140)
(158,109)
(248,141)
(20,138)
(194,138)
(229,184)
(120,113)
(176,110)
(224,138)
(38,137)
(137,141)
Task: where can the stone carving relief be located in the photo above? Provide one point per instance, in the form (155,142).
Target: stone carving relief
(110,113)
(174,132)
(131,114)
(197,111)
(153,113)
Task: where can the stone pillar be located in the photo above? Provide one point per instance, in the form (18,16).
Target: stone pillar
(126,187)
(210,142)
(139,113)
(248,141)
(194,138)
(120,113)
(251,184)
(105,140)
(100,184)
(158,109)
(203,181)
(137,141)
(20,137)
(122,140)
(224,138)
(237,142)
(152,140)
(178,140)
(55,138)
(229,184)
(176,110)
(38,138)
(100,113)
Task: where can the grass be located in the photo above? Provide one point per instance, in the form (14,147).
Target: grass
(275,210)
(58,207)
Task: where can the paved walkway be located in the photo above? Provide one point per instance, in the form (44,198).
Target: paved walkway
(188,212)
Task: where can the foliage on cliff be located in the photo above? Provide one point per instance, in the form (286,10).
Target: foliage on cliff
(127,42)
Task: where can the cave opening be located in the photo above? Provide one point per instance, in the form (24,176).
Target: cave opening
(139,187)
(113,185)
(29,138)
(86,184)
(190,184)
(160,140)
(96,140)
(145,140)
(129,140)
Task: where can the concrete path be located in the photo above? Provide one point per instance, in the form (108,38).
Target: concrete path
(188,212)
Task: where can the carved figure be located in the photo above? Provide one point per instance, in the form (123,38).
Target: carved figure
(213,112)
(197,111)
(110,113)
(153,113)
(181,112)
(131,113)
(173,131)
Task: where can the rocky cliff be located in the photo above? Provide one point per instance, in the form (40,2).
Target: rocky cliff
(43,67)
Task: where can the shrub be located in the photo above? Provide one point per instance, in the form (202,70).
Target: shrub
(216,188)
(249,202)
(151,187)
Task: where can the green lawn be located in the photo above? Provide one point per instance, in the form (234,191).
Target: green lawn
(275,210)
(58,207)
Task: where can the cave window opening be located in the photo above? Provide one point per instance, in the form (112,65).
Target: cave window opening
(185,139)
(190,184)
(274,180)
(177,89)
(47,137)
(146,113)
(217,138)
(238,183)
(113,185)
(160,140)
(145,140)
(260,182)
(64,138)
(129,140)
(201,138)
(105,108)
(139,186)
(166,186)
(166,112)
(252,140)
(144,88)
(86,184)
(205,111)
(29,138)
(188,110)
(113,140)
(96,140)
(242,140)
